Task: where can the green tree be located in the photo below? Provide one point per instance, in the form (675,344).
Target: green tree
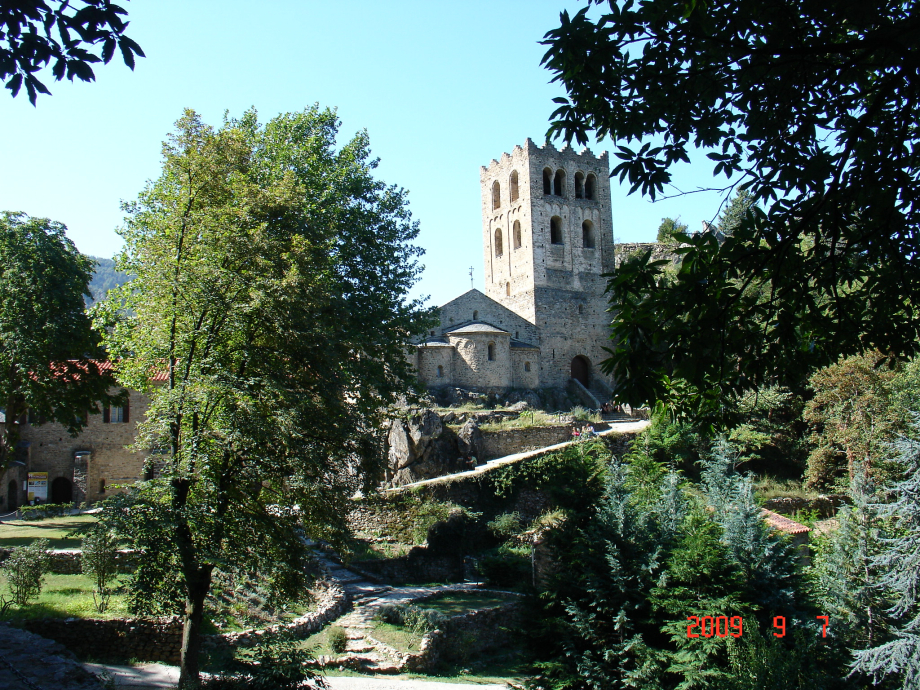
(736,212)
(24,569)
(809,107)
(271,291)
(28,43)
(898,562)
(48,348)
(98,560)
(853,419)
(669,228)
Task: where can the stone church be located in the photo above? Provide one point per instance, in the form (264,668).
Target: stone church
(547,240)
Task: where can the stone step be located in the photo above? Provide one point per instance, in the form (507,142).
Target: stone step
(358,647)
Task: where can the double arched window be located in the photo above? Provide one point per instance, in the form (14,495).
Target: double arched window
(496,195)
(547,181)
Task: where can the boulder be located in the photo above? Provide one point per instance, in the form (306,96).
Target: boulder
(469,440)
(423,429)
(400,453)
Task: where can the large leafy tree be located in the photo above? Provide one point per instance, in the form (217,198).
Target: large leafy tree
(69,36)
(48,348)
(271,293)
(809,106)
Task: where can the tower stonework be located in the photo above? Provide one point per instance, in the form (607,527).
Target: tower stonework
(547,240)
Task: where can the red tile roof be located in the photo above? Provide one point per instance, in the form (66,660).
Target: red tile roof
(782,523)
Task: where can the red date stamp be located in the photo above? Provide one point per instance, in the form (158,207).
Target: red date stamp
(723,626)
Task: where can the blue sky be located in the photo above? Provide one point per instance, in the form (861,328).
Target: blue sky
(442,88)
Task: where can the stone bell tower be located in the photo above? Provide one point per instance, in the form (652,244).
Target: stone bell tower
(547,239)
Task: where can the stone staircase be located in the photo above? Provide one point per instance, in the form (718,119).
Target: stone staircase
(362,652)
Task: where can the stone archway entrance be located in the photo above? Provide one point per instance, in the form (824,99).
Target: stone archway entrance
(61,491)
(581,370)
(11,502)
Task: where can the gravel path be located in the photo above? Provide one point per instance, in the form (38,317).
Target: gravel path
(30,662)
(344,683)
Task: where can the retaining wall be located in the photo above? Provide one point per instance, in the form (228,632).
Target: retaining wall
(69,561)
(160,639)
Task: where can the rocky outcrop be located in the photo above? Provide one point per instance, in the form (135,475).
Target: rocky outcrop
(422,447)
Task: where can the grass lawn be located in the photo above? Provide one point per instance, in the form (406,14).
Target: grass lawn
(55,530)
(366,550)
(397,637)
(456,603)
(68,596)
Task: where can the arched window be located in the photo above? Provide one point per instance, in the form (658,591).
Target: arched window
(547,182)
(591,188)
(514,185)
(508,289)
(496,195)
(498,242)
(559,183)
(579,185)
(581,309)
(440,372)
(491,352)
(475,315)
(102,486)
(516,232)
(526,366)
(555,230)
(587,235)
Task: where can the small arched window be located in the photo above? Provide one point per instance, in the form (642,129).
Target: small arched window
(587,235)
(440,372)
(581,309)
(555,230)
(591,188)
(526,366)
(516,232)
(514,185)
(496,195)
(498,242)
(579,185)
(508,289)
(102,486)
(547,182)
(475,315)
(491,352)
(559,183)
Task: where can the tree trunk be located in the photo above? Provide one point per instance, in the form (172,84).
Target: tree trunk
(198,584)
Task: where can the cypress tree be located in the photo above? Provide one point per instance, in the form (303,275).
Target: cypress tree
(899,562)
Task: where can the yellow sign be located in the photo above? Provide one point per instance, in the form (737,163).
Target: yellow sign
(38,486)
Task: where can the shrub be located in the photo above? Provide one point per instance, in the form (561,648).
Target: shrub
(276,663)
(421,621)
(580,414)
(44,510)
(24,570)
(98,562)
(338,640)
(389,613)
(506,525)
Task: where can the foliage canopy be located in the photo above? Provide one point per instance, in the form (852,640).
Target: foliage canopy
(48,348)
(809,106)
(28,43)
(272,273)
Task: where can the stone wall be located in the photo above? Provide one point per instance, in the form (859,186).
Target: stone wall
(68,561)
(465,636)
(497,444)
(160,639)
(153,639)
